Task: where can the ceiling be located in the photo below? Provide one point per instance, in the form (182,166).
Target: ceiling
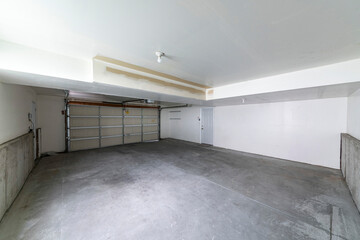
(51,86)
(83,96)
(211,42)
(332,91)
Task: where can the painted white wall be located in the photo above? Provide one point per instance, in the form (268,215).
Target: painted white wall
(303,131)
(186,128)
(164,124)
(20,58)
(15,104)
(51,122)
(339,73)
(353,117)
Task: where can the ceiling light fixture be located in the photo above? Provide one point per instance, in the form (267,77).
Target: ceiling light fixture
(159,55)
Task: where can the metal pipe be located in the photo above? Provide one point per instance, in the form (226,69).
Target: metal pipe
(134,100)
(186,105)
(126,101)
(87,104)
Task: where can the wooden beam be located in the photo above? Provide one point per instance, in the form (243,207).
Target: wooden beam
(146,70)
(157,81)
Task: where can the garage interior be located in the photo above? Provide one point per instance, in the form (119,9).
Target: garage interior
(179,120)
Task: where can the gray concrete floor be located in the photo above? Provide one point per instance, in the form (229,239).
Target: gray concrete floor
(178,190)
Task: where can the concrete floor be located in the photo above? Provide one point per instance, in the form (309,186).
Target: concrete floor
(178,190)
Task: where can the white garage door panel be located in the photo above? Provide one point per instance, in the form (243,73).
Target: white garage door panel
(150,120)
(132,139)
(132,121)
(132,130)
(111,131)
(150,112)
(150,137)
(110,111)
(106,142)
(83,133)
(84,144)
(84,110)
(110,126)
(132,111)
(83,122)
(154,128)
(111,121)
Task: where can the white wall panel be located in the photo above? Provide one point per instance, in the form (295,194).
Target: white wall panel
(164,124)
(52,123)
(303,131)
(15,104)
(181,123)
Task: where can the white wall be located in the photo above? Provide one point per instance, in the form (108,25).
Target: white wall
(303,131)
(15,104)
(338,73)
(186,128)
(353,127)
(20,58)
(164,124)
(51,122)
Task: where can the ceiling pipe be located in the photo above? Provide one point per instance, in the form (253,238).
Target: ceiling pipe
(66,94)
(134,100)
(109,104)
(179,106)
(123,102)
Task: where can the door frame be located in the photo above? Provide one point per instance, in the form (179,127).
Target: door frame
(201,121)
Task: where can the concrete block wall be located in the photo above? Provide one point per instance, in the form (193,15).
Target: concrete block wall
(16,162)
(350,165)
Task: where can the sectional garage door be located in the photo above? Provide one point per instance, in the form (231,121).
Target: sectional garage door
(91,126)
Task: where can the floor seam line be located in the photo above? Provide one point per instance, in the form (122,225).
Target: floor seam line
(263,204)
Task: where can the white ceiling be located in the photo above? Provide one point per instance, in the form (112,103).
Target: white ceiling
(45,85)
(208,41)
(75,95)
(332,91)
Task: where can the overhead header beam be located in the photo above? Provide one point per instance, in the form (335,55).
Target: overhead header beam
(149,71)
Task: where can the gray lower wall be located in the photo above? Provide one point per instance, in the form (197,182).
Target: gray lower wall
(16,162)
(350,165)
